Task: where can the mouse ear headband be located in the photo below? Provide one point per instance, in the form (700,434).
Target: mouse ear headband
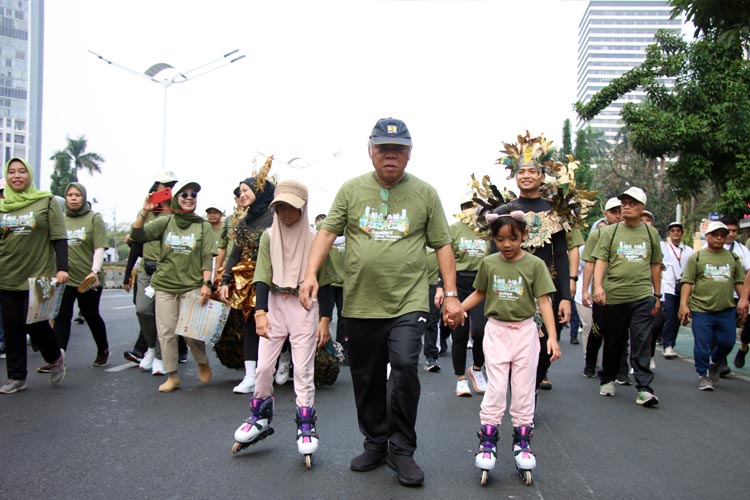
(515,214)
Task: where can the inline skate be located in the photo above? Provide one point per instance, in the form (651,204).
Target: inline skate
(307,436)
(257,427)
(487,451)
(525,459)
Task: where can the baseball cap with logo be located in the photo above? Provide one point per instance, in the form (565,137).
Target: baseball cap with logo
(715,226)
(612,203)
(634,192)
(390,131)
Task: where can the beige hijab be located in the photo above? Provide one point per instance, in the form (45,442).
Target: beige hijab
(290,245)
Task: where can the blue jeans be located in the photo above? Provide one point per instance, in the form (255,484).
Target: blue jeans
(670,307)
(575,321)
(718,325)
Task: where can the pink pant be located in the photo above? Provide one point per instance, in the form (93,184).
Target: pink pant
(510,347)
(288,318)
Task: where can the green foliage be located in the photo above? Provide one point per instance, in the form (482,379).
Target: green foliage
(704,121)
(729,18)
(567,144)
(77,159)
(62,175)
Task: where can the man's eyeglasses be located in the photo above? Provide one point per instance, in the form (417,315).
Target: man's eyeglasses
(628,203)
(188,194)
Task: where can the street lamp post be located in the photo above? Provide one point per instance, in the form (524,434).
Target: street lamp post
(182,76)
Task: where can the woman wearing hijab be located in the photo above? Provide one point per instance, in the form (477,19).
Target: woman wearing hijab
(256,196)
(183,271)
(87,240)
(32,224)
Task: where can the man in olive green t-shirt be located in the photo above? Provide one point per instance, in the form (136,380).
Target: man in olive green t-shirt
(709,281)
(388,217)
(629,255)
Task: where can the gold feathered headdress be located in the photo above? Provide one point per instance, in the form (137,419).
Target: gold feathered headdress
(535,151)
(260,177)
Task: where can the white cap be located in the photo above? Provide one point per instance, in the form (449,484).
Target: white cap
(650,214)
(612,203)
(716,225)
(165,177)
(215,206)
(634,192)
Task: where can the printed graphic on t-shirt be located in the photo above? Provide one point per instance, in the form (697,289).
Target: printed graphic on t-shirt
(18,224)
(76,236)
(474,248)
(507,289)
(384,227)
(341,248)
(180,243)
(717,273)
(632,253)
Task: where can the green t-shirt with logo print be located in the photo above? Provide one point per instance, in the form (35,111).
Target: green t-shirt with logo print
(85,234)
(25,243)
(469,248)
(512,287)
(183,253)
(713,276)
(629,253)
(386,231)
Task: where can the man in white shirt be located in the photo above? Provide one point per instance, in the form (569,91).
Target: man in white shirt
(675,254)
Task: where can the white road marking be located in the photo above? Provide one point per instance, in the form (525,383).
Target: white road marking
(124,307)
(120,368)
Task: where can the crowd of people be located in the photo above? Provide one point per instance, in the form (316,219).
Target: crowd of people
(501,281)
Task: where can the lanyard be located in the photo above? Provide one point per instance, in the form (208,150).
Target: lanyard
(678,257)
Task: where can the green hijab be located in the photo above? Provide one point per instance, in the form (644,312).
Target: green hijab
(85,207)
(15,200)
(182,218)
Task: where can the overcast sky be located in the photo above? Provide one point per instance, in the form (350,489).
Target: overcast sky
(464,75)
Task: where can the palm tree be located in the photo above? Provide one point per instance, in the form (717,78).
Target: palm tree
(75,151)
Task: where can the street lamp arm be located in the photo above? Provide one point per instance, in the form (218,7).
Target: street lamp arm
(224,61)
(124,68)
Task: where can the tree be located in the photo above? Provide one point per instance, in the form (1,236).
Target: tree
(729,18)
(704,121)
(62,175)
(78,158)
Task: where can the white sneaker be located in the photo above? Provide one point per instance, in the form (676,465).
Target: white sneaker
(652,365)
(607,389)
(285,364)
(148,360)
(470,343)
(462,389)
(477,380)
(669,353)
(157,368)
(246,386)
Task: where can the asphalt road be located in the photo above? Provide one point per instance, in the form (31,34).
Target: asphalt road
(108,433)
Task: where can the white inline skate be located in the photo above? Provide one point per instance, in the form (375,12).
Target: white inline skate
(525,459)
(257,427)
(487,451)
(307,436)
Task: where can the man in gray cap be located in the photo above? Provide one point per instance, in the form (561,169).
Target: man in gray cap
(628,255)
(387,216)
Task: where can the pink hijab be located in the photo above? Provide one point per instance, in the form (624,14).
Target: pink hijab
(290,245)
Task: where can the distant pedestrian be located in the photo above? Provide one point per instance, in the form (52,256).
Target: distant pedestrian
(675,256)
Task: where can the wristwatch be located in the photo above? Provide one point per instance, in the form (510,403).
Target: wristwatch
(450,294)
(574,278)
(208,283)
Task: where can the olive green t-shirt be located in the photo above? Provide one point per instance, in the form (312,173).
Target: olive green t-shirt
(386,231)
(588,249)
(468,248)
(151,249)
(183,253)
(85,234)
(433,270)
(336,256)
(629,253)
(713,276)
(512,287)
(25,243)
(217,234)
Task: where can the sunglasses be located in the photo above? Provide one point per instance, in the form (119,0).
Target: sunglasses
(188,194)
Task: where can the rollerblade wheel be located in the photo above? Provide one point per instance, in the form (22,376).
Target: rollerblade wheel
(308,461)
(526,477)
(236,447)
(485,474)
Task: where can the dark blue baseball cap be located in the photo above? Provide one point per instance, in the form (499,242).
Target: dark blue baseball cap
(390,131)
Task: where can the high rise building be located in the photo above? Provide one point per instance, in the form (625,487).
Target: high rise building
(21,35)
(612,39)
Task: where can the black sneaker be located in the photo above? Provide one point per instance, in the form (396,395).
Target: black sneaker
(574,340)
(79,320)
(102,359)
(409,473)
(367,460)
(724,372)
(182,358)
(2,351)
(739,358)
(589,372)
(545,384)
(431,365)
(133,356)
